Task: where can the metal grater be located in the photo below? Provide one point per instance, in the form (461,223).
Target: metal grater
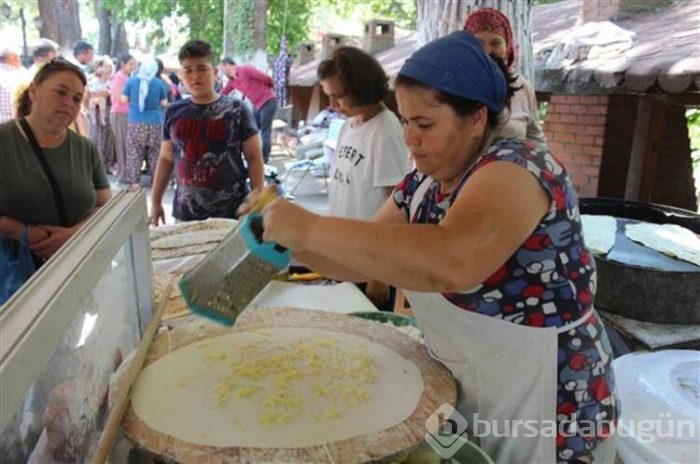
(232,274)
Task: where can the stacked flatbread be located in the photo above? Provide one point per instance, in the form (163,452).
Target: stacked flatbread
(182,241)
(599,233)
(670,239)
(188,239)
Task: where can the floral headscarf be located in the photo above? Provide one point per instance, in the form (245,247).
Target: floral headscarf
(490,20)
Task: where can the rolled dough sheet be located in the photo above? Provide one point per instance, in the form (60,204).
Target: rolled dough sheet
(181,394)
(192,226)
(188,239)
(599,232)
(188,250)
(669,239)
(198,237)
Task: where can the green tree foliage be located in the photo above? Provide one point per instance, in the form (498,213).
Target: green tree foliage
(206,20)
(205,17)
(693,117)
(294,25)
(402,12)
(243,20)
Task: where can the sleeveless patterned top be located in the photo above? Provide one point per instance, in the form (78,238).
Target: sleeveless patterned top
(548,282)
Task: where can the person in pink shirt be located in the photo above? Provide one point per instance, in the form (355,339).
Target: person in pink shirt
(258,88)
(120,110)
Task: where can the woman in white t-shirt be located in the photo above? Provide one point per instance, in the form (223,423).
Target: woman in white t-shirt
(371,156)
(493,30)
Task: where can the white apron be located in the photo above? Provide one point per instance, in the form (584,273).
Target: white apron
(506,372)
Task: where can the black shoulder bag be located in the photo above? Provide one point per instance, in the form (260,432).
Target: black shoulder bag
(57,197)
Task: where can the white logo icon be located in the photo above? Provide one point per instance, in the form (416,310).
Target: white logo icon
(448,426)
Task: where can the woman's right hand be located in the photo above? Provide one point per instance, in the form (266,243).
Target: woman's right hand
(37,234)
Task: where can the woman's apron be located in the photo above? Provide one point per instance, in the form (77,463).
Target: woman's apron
(506,373)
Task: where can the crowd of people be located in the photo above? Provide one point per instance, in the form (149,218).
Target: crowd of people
(126,100)
(455,198)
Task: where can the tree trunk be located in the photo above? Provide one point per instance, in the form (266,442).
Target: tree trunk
(242,24)
(61,22)
(104,17)
(437,18)
(229,27)
(260,25)
(120,44)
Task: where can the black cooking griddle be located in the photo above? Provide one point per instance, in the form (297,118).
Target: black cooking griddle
(641,283)
(627,251)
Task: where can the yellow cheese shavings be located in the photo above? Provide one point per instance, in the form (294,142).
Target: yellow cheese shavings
(316,377)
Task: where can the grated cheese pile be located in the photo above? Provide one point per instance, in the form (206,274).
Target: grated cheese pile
(283,379)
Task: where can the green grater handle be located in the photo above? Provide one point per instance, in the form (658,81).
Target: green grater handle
(251,229)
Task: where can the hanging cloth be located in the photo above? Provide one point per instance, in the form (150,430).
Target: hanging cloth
(282,65)
(280,73)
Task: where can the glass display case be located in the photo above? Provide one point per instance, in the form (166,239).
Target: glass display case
(67,329)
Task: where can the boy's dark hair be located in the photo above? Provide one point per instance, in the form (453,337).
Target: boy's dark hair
(463,106)
(228,60)
(81,47)
(360,74)
(195,49)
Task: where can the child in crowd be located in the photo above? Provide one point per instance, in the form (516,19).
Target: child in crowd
(211,142)
(371,156)
(98,85)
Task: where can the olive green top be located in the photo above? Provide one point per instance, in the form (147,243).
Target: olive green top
(25,191)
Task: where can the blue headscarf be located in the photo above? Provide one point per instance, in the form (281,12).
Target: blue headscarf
(147,71)
(457,64)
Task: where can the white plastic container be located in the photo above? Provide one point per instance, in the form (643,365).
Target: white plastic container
(660,399)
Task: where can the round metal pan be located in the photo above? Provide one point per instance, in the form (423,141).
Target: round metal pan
(640,283)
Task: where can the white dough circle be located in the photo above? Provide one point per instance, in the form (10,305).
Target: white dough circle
(277,388)
(670,239)
(599,232)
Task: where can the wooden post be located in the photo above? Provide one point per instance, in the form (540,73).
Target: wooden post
(109,433)
(648,132)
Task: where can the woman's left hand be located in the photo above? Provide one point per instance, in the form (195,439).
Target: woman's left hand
(57,237)
(287,224)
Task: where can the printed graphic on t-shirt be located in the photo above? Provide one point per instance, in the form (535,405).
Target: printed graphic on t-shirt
(348,158)
(211,176)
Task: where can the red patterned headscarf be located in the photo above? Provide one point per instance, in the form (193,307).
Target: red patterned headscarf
(490,20)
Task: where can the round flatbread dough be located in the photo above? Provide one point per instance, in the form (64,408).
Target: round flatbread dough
(669,239)
(277,388)
(189,238)
(599,232)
